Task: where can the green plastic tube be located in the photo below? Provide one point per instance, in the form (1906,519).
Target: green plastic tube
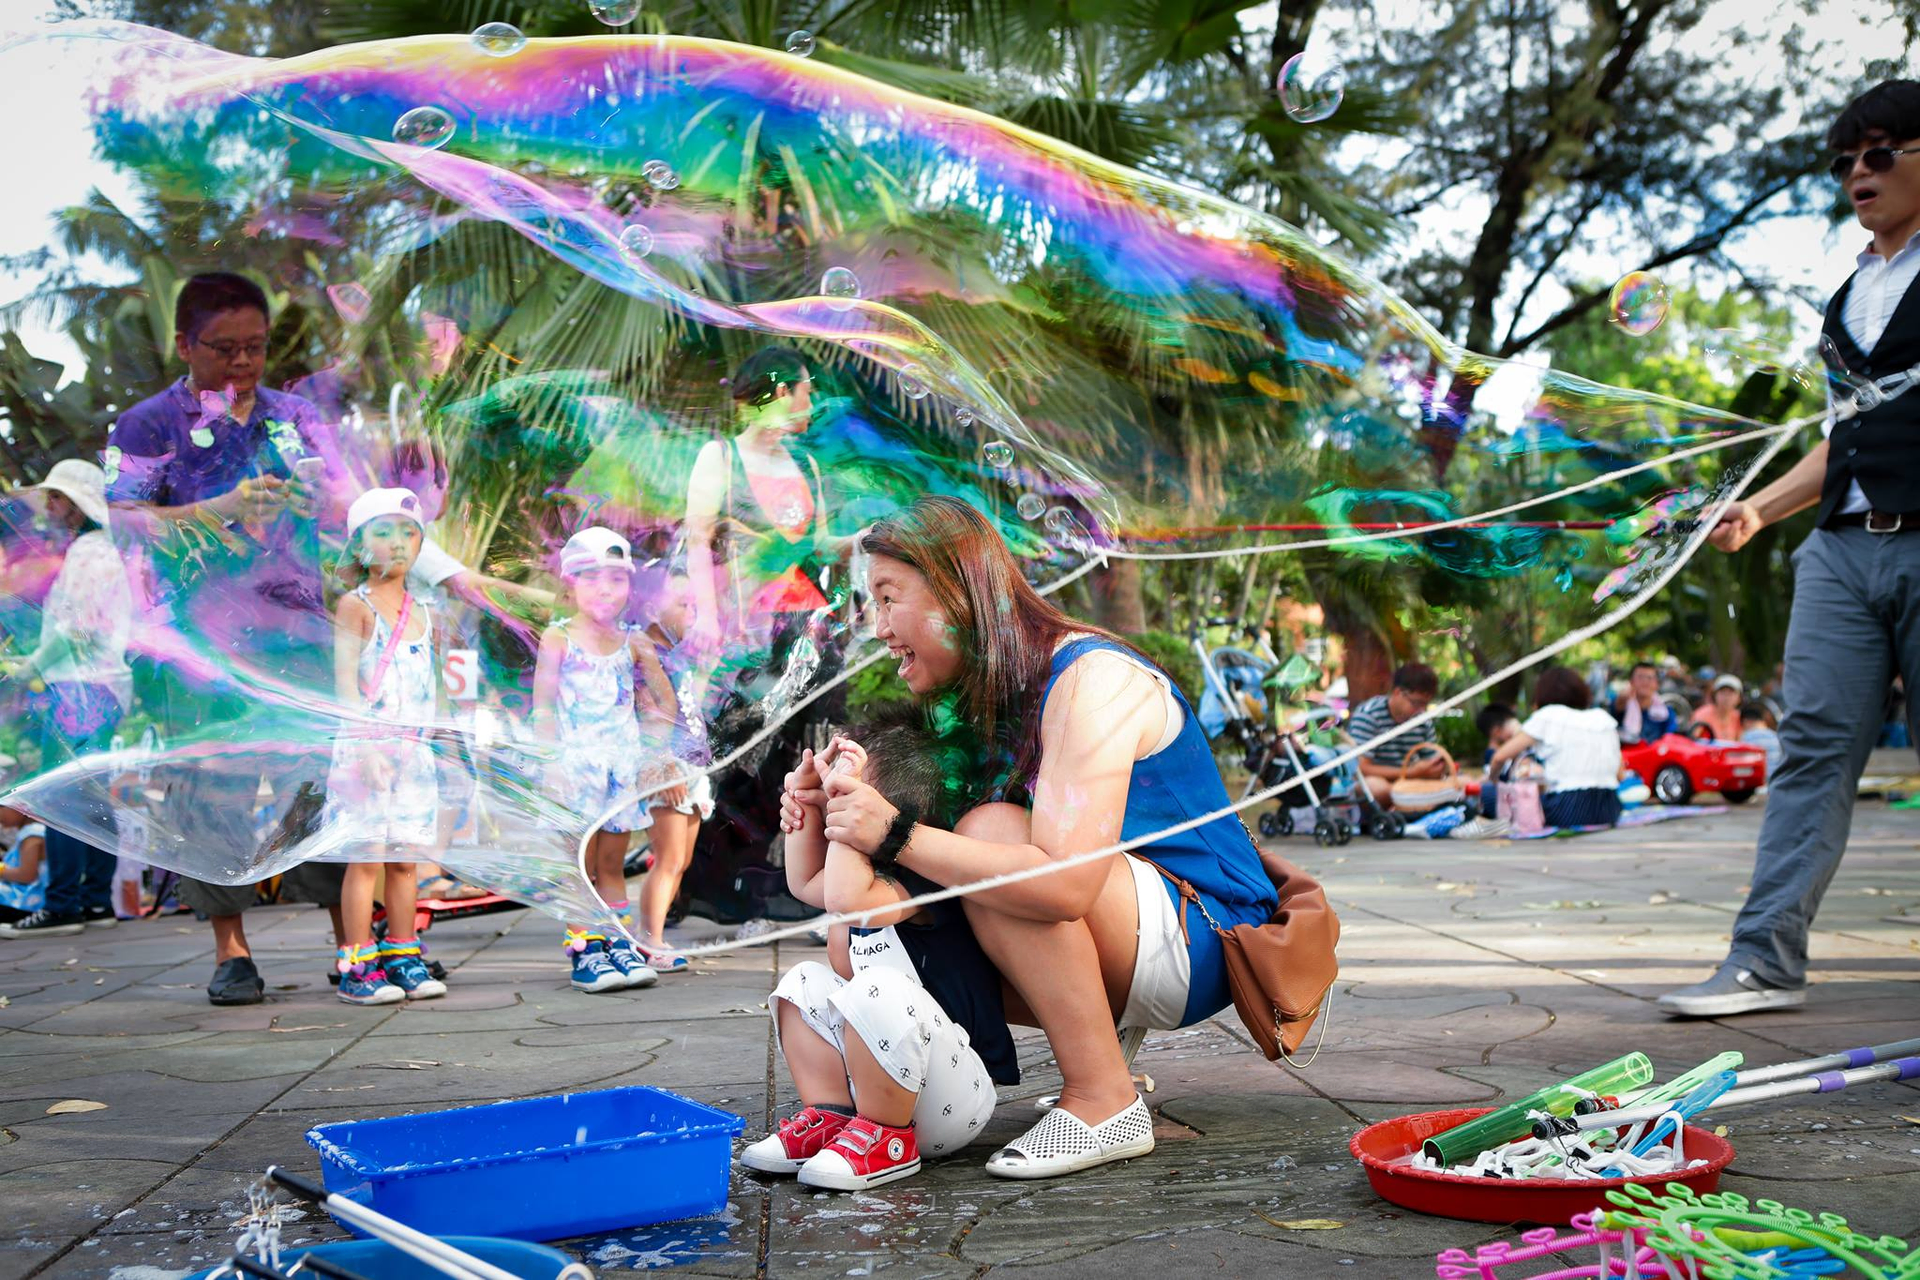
(1686,1082)
(1459,1145)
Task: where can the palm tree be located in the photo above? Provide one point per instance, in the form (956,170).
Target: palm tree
(1188,96)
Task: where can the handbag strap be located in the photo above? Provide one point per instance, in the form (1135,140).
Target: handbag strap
(1187,894)
(371,690)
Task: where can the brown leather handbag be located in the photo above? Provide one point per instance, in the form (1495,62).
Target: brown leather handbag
(1281,973)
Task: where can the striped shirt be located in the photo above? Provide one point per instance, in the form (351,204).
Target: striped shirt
(1371,719)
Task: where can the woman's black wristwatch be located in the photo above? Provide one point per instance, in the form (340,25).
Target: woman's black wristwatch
(899,831)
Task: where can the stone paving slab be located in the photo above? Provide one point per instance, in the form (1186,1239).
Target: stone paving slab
(1472,972)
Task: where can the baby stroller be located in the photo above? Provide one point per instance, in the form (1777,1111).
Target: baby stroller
(1270,758)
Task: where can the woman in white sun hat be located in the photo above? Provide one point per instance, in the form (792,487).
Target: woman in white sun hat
(78,685)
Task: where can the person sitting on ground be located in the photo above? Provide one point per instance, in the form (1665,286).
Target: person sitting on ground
(1497,723)
(1721,714)
(1643,714)
(918,1037)
(1578,747)
(1757,729)
(1414,687)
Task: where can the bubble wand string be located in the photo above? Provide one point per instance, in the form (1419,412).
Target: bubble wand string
(1695,539)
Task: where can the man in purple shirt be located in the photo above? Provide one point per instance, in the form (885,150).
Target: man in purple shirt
(217,481)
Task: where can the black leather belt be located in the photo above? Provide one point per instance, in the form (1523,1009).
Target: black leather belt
(1878,521)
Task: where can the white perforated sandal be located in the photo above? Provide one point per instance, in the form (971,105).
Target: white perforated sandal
(1063,1143)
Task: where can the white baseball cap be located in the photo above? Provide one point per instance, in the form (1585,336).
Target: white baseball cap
(83,484)
(375,503)
(1729,682)
(595,547)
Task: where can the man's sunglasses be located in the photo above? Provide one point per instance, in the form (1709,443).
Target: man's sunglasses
(1878,160)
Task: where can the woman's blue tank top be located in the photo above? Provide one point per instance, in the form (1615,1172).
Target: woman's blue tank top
(1217,859)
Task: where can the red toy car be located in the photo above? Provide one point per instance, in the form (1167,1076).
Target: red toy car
(1674,767)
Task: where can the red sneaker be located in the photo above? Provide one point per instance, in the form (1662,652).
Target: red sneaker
(865,1154)
(800,1136)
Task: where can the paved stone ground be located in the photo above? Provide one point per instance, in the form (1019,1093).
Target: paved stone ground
(1471,973)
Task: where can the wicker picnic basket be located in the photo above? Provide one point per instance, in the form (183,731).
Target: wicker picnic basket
(1418,795)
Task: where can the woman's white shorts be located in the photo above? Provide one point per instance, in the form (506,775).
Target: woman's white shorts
(1162,969)
(909,1035)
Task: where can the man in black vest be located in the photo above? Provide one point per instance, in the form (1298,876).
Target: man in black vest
(1856,598)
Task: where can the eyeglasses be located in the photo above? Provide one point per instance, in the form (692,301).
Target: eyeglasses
(231,351)
(1878,160)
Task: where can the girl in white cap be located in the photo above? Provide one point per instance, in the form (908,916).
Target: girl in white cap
(382,789)
(77,685)
(584,699)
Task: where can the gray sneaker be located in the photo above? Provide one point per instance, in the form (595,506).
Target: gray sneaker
(1732,989)
(1481,829)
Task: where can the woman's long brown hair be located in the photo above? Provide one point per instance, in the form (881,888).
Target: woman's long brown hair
(1006,630)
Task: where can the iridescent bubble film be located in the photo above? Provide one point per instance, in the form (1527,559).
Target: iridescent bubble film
(1311,87)
(732,306)
(1638,303)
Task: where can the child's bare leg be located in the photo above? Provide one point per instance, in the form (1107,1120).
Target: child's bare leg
(402,898)
(673,837)
(608,861)
(819,1073)
(877,1096)
(356,903)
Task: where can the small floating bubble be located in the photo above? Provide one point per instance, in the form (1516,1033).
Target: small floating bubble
(427,127)
(498,39)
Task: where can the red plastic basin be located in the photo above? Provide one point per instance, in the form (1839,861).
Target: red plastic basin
(1549,1201)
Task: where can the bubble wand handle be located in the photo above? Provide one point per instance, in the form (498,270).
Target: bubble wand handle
(1819,1082)
(1462,1143)
(1845,1058)
(1686,1108)
(435,1253)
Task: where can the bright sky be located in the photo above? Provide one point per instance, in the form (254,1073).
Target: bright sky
(1799,252)
(50,152)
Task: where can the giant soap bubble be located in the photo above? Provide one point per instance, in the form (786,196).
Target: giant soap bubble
(956,305)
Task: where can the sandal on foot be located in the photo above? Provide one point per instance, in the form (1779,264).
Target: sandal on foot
(1063,1143)
(447,889)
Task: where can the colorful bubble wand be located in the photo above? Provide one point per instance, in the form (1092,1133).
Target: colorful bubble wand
(1554,1126)
(1462,1143)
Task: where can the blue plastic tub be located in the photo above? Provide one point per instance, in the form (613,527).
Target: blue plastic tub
(377,1261)
(537,1168)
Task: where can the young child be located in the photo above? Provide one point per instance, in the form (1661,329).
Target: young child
(1758,730)
(23,871)
(584,698)
(382,785)
(675,825)
(917,1039)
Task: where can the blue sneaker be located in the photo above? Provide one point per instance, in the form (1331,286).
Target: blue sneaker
(406,967)
(631,965)
(366,983)
(593,972)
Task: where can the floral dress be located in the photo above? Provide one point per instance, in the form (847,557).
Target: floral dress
(407,812)
(601,751)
